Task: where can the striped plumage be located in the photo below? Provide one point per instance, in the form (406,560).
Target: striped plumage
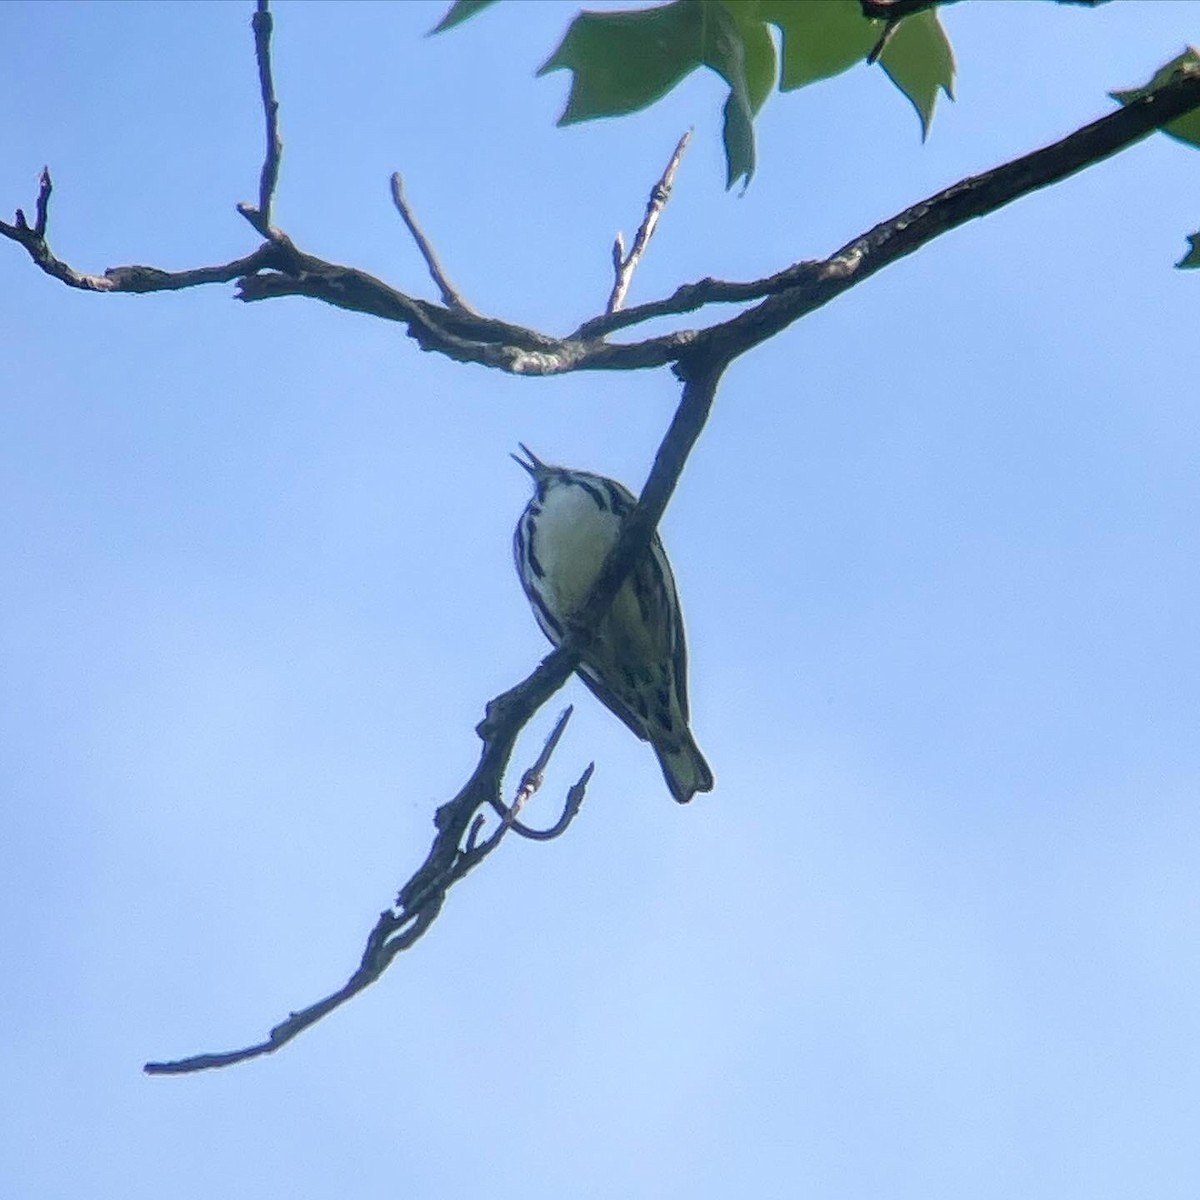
(637,665)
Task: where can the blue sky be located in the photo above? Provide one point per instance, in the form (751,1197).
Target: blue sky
(937,931)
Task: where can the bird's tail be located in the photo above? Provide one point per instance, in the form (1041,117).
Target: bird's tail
(684,767)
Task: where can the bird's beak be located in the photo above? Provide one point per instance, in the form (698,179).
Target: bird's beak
(534,466)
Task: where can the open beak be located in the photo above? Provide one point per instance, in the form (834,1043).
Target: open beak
(534,466)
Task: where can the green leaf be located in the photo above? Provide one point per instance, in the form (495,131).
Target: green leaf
(820,37)
(920,62)
(624,61)
(1191,259)
(824,37)
(739,48)
(1187,127)
(758,48)
(459,11)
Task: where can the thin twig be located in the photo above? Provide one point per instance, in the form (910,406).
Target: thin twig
(533,777)
(260,217)
(624,267)
(42,205)
(451,297)
(42,208)
(277,256)
(297,1022)
(575,796)
(885,36)
(473,834)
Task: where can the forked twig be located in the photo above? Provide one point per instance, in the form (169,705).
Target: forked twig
(421,899)
(41,209)
(532,780)
(624,264)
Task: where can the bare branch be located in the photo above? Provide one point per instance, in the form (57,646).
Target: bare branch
(514,349)
(815,284)
(260,217)
(450,294)
(624,267)
(421,899)
(272,256)
(285,271)
(297,1022)
(688,297)
(806,285)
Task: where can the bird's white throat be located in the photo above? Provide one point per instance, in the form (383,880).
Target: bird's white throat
(572,539)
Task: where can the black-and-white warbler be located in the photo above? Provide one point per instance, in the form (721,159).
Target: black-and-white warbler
(637,663)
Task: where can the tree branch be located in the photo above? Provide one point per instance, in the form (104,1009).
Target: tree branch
(815,284)
(688,297)
(279,269)
(448,861)
(271,256)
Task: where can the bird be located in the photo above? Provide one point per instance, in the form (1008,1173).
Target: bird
(636,665)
